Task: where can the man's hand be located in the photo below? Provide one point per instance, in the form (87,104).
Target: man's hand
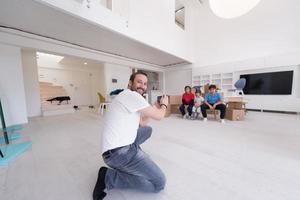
(211,107)
(215,105)
(156,111)
(197,104)
(156,105)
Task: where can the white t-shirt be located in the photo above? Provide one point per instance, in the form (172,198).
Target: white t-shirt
(122,120)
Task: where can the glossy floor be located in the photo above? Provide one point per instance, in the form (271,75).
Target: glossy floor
(258,158)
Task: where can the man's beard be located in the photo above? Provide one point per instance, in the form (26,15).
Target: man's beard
(132,88)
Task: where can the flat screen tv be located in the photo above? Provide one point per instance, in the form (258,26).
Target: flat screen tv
(274,83)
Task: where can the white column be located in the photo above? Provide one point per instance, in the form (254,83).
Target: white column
(12,85)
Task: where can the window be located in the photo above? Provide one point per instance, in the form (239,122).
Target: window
(179,14)
(107,4)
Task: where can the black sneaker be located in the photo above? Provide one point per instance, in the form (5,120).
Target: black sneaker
(99,193)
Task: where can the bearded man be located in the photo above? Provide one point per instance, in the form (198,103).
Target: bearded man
(124,130)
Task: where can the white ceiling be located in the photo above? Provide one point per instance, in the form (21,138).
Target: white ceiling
(66,60)
(33,17)
(71,60)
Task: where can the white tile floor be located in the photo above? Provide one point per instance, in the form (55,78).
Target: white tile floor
(257,159)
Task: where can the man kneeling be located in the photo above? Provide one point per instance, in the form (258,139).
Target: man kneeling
(124,131)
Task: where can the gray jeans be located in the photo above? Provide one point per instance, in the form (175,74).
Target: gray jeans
(131,168)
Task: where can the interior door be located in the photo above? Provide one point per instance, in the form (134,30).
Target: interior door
(82,85)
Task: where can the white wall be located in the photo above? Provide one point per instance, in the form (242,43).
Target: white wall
(31,83)
(176,80)
(80,81)
(121,73)
(121,7)
(298,85)
(12,85)
(271,28)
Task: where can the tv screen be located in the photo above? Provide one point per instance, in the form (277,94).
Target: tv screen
(274,83)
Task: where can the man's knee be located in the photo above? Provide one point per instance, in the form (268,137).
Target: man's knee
(159,183)
(147,131)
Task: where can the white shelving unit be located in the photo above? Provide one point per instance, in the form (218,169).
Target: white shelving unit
(205,79)
(216,79)
(224,81)
(227,82)
(196,80)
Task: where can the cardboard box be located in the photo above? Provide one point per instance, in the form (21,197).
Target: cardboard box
(172,109)
(235,105)
(174,103)
(168,112)
(235,99)
(175,109)
(235,114)
(175,99)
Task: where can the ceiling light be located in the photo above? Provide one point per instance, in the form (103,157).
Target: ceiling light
(232,8)
(46,56)
(85,63)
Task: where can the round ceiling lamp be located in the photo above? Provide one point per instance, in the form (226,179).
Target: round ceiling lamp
(232,8)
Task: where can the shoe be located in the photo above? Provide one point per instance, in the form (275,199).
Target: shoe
(98,193)
(223,121)
(185,116)
(193,117)
(205,119)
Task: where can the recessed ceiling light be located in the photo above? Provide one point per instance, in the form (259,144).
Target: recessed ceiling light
(232,8)
(85,63)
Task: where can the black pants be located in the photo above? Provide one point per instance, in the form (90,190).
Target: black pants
(220,107)
(189,108)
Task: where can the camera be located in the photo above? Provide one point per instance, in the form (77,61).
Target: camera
(158,99)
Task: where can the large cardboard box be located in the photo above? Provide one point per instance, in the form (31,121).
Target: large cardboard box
(168,112)
(175,109)
(175,99)
(235,105)
(235,99)
(235,114)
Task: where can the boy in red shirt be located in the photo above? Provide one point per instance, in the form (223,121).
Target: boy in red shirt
(187,101)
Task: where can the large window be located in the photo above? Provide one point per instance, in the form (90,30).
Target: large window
(179,14)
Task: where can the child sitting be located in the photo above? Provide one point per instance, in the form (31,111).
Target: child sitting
(187,102)
(198,101)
